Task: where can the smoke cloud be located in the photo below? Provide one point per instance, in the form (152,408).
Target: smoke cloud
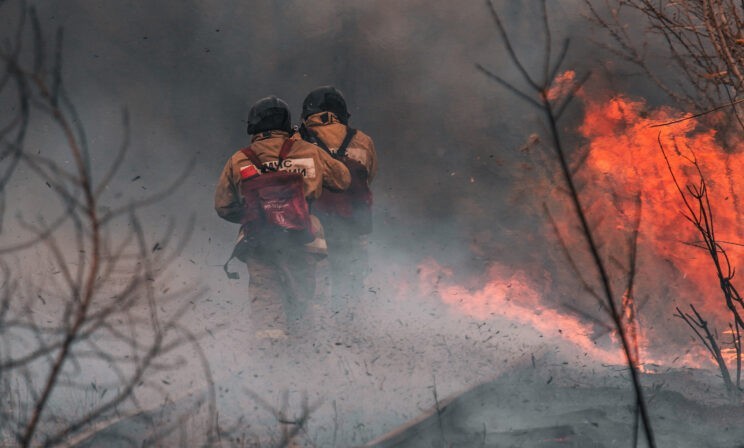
(459,182)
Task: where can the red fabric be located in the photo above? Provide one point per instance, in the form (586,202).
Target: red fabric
(286,147)
(249,171)
(274,199)
(252,156)
(353,204)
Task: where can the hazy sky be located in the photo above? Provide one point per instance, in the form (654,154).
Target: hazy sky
(453,185)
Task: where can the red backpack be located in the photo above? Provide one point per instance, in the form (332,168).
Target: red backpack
(274,206)
(353,205)
(273,200)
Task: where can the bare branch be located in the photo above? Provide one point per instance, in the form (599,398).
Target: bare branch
(551,117)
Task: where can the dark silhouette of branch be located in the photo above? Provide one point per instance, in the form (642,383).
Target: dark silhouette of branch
(700,327)
(541,91)
(698,115)
(700,214)
(103,306)
(703,40)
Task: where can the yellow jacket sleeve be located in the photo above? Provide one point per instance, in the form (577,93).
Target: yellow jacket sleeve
(226,196)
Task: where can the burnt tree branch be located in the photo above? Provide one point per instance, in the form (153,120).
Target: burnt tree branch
(551,114)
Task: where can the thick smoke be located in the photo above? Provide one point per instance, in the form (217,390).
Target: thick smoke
(453,185)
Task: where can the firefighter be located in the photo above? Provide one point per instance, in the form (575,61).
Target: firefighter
(346,215)
(281,262)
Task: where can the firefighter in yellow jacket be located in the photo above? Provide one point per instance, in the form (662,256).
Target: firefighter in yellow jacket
(281,265)
(345,215)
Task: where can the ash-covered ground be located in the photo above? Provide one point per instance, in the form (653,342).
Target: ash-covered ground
(410,371)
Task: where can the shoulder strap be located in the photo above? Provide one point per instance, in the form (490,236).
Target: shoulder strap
(316,139)
(350,133)
(283,153)
(286,147)
(252,157)
(306,133)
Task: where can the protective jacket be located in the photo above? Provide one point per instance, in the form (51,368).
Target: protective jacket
(317,168)
(348,212)
(347,265)
(361,148)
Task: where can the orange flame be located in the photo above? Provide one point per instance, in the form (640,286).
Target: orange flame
(624,163)
(624,158)
(511,295)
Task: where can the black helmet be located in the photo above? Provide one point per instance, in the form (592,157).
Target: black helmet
(326,99)
(269,114)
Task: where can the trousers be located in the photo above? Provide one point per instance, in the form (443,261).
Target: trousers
(281,287)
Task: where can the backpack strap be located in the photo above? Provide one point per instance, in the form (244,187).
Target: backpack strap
(307,134)
(315,139)
(312,137)
(283,153)
(350,133)
(233,254)
(286,147)
(248,152)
